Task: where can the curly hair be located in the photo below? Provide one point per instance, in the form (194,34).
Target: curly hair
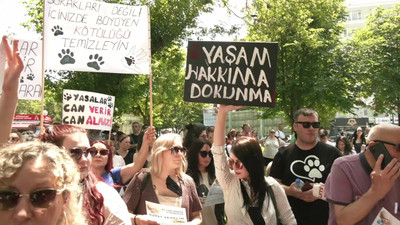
(193,162)
(14,157)
(163,143)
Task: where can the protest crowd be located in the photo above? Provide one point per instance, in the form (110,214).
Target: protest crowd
(73,176)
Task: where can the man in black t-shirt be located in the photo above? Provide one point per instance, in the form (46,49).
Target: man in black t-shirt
(311,162)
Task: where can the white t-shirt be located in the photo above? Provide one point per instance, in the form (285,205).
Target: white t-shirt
(271,147)
(280,134)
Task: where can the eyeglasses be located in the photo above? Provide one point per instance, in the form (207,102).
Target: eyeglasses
(76,153)
(308,124)
(39,199)
(176,150)
(237,163)
(389,143)
(205,153)
(94,152)
(272,132)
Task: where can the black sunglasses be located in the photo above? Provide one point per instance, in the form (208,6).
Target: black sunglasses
(39,199)
(389,143)
(176,150)
(308,124)
(94,151)
(76,152)
(205,153)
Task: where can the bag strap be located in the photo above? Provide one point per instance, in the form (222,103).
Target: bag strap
(142,187)
(271,193)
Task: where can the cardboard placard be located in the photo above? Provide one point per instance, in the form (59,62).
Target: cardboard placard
(231,73)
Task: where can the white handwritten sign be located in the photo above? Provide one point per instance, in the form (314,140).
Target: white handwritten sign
(85,35)
(231,73)
(88,110)
(30,85)
(166,215)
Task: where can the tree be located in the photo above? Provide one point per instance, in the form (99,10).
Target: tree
(171,22)
(375,53)
(309,73)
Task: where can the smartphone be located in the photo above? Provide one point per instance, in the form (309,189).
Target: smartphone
(379,148)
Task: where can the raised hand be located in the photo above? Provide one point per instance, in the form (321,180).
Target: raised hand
(13,68)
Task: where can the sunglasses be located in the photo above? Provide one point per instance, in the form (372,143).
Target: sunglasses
(76,153)
(205,153)
(389,143)
(39,199)
(14,139)
(176,150)
(308,124)
(237,163)
(94,152)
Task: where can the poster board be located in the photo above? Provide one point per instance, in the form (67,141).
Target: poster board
(30,85)
(88,110)
(94,36)
(231,73)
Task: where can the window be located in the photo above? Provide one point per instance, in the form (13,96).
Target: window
(356,15)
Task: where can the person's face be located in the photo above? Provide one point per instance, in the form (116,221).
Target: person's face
(13,138)
(272,134)
(280,127)
(210,137)
(204,161)
(240,171)
(203,135)
(246,128)
(306,135)
(101,158)
(323,139)
(124,144)
(81,141)
(136,128)
(172,161)
(33,176)
(341,145)
(115,127)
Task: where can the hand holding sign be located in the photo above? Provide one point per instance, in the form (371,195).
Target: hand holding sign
(13,69)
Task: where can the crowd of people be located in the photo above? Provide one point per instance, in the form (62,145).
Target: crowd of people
(73,176)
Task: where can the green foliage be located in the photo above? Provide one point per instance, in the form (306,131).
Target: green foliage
(171,22)
(375,54)
(309,74)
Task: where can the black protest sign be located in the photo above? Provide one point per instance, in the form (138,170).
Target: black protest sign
(231,73)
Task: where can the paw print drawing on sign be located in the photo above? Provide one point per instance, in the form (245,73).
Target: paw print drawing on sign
(21,80)
(314,168)
(30,76)
(67,57)
(109,102)
(67,96)
(97,61)
(134,58)
(57,30)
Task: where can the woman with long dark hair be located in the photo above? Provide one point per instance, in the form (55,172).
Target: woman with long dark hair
(343,144)
(250,198)
(194,131)
(201,169)
(100,202)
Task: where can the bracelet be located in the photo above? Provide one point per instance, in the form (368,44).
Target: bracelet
(134,220)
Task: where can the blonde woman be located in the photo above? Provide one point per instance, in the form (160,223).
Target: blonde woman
(38,185)
(166,183)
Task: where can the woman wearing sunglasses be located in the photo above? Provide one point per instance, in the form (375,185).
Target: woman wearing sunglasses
(250,198)
(201,169)
(101,203)
(38,185)
(102,161)
(166,182)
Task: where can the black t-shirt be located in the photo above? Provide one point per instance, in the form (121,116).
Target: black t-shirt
(312,166)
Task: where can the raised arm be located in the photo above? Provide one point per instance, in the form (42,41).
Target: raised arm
(131,169)
(9,97)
